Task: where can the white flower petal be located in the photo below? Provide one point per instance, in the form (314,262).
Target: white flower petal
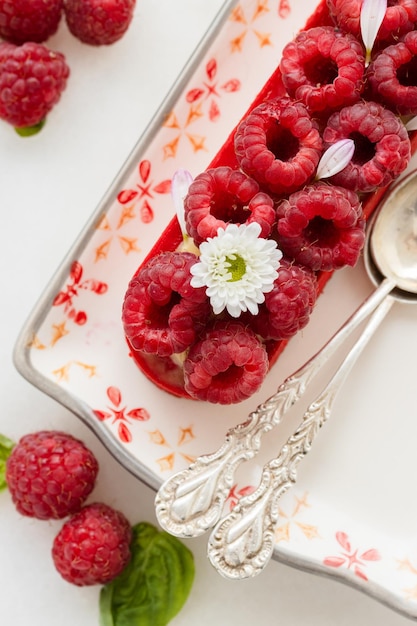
(335,158)
(372,15)
(180,183)
(237,267)
(412,124)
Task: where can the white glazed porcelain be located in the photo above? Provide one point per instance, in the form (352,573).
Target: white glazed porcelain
(353,513)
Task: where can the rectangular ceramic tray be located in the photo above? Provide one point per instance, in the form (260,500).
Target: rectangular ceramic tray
(353,512)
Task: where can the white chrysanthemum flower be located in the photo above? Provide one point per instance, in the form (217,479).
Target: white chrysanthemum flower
(238,267)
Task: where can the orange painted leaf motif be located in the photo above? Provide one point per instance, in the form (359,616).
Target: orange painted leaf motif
(231,85)
(139,414)
(211,68)
(114,395)
(163,187)
(144,169)
(127,195)
(124,433)
(194,94)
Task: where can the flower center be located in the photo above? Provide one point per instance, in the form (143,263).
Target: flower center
(236,266)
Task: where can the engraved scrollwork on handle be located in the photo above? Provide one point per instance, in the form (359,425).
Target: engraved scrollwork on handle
(242,542)
(192,501)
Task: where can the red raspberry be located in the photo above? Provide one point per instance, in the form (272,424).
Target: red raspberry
(32,79)
(288,306)
(227,365)
(279,145)
(400,17)
(392,76)
(323,68)
(321,227)
(220,196)
(162,314)
(50,474)
(29,20)
(382,145)
(99,22)
(93,546)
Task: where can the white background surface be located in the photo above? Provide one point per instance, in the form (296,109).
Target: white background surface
(49,185)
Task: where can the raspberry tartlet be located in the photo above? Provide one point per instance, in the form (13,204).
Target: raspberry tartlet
(282,205)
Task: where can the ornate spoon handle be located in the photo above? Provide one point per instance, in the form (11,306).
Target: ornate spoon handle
(192,501)
(242,542)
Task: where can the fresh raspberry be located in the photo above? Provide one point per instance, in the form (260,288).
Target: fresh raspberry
(287,308)
(32,79)
(400,17)
(323,68)
(227,365)
(392,76)
(99,22)
(50,474)
(321,226)
(220,196)
(29,20)
(93,546)
(162,314)
(279,145)
(382,145)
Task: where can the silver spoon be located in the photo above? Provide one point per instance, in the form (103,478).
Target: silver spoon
(192,501)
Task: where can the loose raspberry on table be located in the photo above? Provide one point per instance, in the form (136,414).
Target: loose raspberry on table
(287,308)
(93,546)
(321,226)
(162,314)
(99,23)
(32,79)
(382,145)
(29,20)
(279,145)
(392,76)
(50,474)
(220,196)
(227,365)
(400,18)
(323,68)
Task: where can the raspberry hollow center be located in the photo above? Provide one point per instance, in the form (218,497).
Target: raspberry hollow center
(236,267)
(364,149)
(282,143)
(406,73)
(322,232)
(320,71)
(226,206)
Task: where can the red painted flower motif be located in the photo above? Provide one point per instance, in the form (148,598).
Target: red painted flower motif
(351,559)
(75,285)
(211,90)
(144,191)
(284,8)
(121,415)
(235,494)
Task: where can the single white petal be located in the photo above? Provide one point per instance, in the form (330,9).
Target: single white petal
(335,159)
(412,124)
(372,15)
(180,183)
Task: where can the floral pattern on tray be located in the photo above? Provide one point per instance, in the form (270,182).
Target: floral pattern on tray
(79,344)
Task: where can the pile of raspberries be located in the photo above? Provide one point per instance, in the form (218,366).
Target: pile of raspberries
(33,77)
(331,94)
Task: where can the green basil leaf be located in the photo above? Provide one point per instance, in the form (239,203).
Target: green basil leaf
(154,586)
(6,447)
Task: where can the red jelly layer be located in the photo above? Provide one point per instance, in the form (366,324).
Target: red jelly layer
(162,371)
